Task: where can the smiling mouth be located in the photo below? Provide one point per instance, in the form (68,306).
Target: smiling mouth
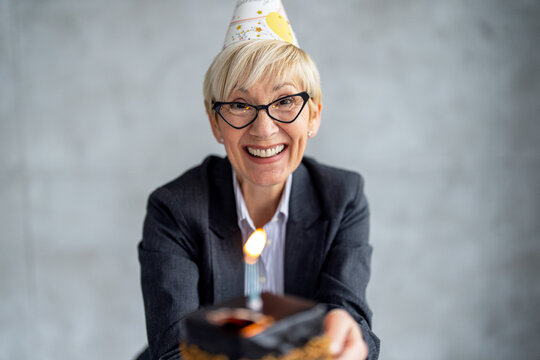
(266,153)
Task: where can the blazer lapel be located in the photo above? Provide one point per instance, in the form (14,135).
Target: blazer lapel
(224,235)
(305,237)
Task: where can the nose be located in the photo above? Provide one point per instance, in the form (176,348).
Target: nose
(264,126)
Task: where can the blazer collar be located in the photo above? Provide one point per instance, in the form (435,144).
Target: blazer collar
(222,211)
(224,235)
(306,234)
(304,204)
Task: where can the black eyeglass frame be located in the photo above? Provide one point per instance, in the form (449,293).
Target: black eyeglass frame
(217,105)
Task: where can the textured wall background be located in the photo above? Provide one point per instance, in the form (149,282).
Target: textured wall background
(435,102)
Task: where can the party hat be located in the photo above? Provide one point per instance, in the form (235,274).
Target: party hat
(259,19)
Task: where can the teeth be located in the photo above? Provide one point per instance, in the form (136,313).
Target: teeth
(266,153)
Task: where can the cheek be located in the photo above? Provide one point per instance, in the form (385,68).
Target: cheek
(232,141)
(299,138)
(299,128)
(299,135)
(230,136)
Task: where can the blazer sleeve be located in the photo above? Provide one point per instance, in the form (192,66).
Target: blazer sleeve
(169,274)
(346,270)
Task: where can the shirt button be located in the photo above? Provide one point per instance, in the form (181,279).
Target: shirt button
(275,220)
(269,241)
(262,279)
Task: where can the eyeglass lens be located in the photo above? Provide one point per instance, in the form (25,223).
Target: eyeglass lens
(284,109)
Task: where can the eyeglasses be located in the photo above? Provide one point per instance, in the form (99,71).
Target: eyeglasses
(239,114)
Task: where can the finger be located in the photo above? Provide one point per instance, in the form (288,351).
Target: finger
(355,348)
(337,329)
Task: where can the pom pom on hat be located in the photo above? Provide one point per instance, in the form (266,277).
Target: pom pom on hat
(259,19)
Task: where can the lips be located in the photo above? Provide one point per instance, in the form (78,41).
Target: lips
(267,152)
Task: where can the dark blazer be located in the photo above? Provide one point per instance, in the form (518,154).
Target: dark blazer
(191,251)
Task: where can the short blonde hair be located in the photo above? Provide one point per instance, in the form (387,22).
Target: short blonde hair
(243,63)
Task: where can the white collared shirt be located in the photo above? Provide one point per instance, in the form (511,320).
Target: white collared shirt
(271,262)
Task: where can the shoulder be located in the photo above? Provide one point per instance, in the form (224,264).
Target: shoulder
(195,176)
(179,209)
(193,186)
(331,189)
(333,179)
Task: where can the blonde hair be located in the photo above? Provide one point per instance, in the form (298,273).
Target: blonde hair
(242,64)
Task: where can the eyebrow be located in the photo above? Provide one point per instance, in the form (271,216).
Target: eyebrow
(279,86)
(276,88)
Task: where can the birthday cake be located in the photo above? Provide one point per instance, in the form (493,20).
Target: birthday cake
(286,328)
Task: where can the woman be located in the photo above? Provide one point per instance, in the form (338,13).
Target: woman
(263,101)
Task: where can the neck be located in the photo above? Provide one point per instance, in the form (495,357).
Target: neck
(261,201)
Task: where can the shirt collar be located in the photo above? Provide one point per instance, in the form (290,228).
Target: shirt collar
(241,208)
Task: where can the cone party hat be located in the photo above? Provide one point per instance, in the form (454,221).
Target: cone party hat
(259,19)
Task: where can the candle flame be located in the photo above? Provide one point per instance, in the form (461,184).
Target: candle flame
(255,245)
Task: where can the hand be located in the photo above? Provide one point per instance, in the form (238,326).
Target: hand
(346,341)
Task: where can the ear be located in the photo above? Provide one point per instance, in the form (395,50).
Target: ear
(315,119)
(214,124)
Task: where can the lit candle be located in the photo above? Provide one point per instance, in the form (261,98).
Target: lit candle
(252,250)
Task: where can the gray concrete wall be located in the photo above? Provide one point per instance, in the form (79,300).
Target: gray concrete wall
(436,103)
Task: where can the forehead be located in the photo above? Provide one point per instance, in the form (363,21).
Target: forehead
(270,83)
(267,87)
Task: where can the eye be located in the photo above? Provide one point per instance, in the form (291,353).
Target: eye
(286,101)
(240,106)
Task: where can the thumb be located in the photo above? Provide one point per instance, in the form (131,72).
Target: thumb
(334,329)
